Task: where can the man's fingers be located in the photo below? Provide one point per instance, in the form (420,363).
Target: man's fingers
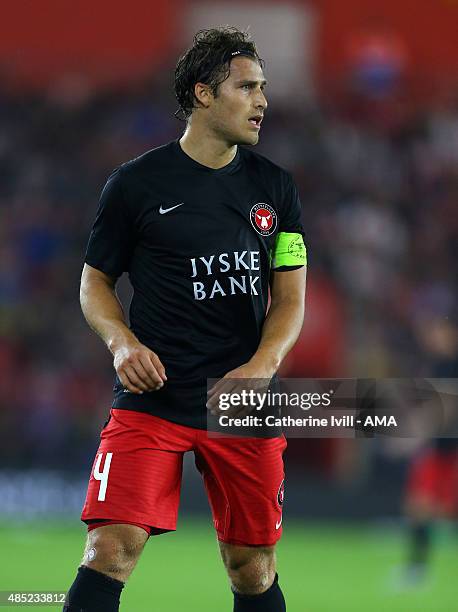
(220,387)
(242,395)
(149,373)
(140,369)
(224,386)
(134,378)
(158,365)
(127,384)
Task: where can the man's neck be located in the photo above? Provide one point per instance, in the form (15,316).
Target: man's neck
(204,147)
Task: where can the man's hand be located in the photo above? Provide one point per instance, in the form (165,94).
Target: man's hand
(139,369)
(255,375)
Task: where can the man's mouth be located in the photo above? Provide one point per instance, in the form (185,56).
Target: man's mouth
(256,121)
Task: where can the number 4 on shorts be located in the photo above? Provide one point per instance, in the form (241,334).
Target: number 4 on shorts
(102,475)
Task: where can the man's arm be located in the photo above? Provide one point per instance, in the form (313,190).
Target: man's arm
(280,330)
(279,333)
(139,369)
(283,322)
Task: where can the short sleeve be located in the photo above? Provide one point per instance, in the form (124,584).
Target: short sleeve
(111,240)
(291,211)
(289,251)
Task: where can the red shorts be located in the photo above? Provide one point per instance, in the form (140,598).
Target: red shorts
(434,477)
(136,478)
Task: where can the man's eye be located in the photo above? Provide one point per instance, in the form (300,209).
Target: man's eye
(246,86)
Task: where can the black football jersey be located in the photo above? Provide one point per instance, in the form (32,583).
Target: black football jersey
(199,245)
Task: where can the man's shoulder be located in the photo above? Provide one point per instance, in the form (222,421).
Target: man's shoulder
(264,164)
(153,160)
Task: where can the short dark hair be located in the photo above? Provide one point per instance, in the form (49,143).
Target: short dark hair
(208,61)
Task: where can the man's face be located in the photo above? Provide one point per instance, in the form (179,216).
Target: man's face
(237,110)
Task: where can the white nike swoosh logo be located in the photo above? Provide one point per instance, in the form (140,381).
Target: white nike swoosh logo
(162,211)
(278,525)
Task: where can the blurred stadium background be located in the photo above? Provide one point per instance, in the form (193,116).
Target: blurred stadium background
(364,113)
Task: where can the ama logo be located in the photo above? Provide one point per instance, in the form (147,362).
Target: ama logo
(263,218)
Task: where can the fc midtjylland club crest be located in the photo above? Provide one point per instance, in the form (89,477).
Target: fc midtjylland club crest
(263,218)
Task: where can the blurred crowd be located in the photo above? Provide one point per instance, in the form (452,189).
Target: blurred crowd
(379,205)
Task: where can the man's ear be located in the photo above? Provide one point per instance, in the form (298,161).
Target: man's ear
(203,94)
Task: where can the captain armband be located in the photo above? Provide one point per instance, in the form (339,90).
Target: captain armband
(289,250)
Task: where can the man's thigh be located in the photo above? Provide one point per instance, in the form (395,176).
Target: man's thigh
(137,471)
(244,479)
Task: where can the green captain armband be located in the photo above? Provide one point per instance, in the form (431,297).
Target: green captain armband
(289,250)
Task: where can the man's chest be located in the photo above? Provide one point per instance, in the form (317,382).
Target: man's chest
(207,216)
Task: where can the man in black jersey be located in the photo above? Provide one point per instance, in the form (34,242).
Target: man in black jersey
(204,229)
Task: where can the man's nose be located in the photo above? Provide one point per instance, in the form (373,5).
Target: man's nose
(261,100)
